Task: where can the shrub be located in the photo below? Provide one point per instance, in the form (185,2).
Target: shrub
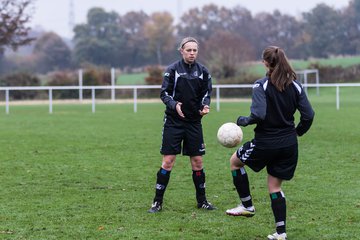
(64,78)
(337,74)
(241,78)
(155,75)
(21,79)
(96,76)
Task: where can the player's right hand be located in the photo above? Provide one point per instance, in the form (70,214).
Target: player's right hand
(178,110)
(242,121)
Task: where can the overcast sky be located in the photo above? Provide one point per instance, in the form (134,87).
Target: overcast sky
(53,15)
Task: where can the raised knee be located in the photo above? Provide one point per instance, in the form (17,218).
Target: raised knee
(235,162)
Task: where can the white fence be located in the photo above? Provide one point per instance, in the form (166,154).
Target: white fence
(135,88)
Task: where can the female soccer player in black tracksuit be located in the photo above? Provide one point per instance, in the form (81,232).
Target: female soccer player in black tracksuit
(185,91)
(275,99)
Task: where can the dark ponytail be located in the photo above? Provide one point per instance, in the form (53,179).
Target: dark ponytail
(281,73)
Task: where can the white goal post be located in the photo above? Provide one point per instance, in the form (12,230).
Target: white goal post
(303,77)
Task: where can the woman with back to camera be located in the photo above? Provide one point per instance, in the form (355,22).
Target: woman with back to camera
(275,99)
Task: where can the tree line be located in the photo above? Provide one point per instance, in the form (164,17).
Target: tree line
(228,37)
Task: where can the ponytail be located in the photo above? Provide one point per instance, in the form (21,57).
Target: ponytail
(281,73)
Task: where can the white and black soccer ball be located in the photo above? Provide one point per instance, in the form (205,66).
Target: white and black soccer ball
(229,135)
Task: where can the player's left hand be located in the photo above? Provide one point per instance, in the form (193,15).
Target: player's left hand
(205,110)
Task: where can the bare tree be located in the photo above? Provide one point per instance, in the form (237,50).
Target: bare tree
(14,14)
(225,52)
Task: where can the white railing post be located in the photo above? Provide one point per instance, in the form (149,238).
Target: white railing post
(317,82)
(113,84)
(305,81)
(7,101)
(218,99)
(135,99)
(337,97)
(50,100)
(93,99)
(80,85)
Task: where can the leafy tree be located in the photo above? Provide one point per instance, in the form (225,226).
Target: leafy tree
(159,32)
(52,53)
(101,40)
(324,26)
(136,43)
(351,16)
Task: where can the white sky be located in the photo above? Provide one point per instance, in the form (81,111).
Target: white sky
(53,15)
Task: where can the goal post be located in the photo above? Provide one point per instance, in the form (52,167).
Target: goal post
(308,75)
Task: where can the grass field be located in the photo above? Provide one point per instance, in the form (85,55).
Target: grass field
(78,175)
(131,79)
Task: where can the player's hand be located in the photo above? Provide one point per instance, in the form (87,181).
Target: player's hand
(205,110)
(178,110)
(242,121)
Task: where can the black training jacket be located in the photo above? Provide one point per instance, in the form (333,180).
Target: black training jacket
(189,84)
(273,112)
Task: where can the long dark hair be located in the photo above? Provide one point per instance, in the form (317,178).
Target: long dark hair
(280,72)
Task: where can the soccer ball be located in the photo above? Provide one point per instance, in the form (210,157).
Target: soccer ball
(229,135)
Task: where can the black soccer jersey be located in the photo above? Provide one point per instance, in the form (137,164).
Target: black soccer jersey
(189,84)
(273,112)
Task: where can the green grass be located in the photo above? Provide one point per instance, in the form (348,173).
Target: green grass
(334,61)
(131,79)
(78,175)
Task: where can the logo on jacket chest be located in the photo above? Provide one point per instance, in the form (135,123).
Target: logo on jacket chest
(194,74)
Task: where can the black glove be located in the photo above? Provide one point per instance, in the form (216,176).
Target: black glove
(242,121)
